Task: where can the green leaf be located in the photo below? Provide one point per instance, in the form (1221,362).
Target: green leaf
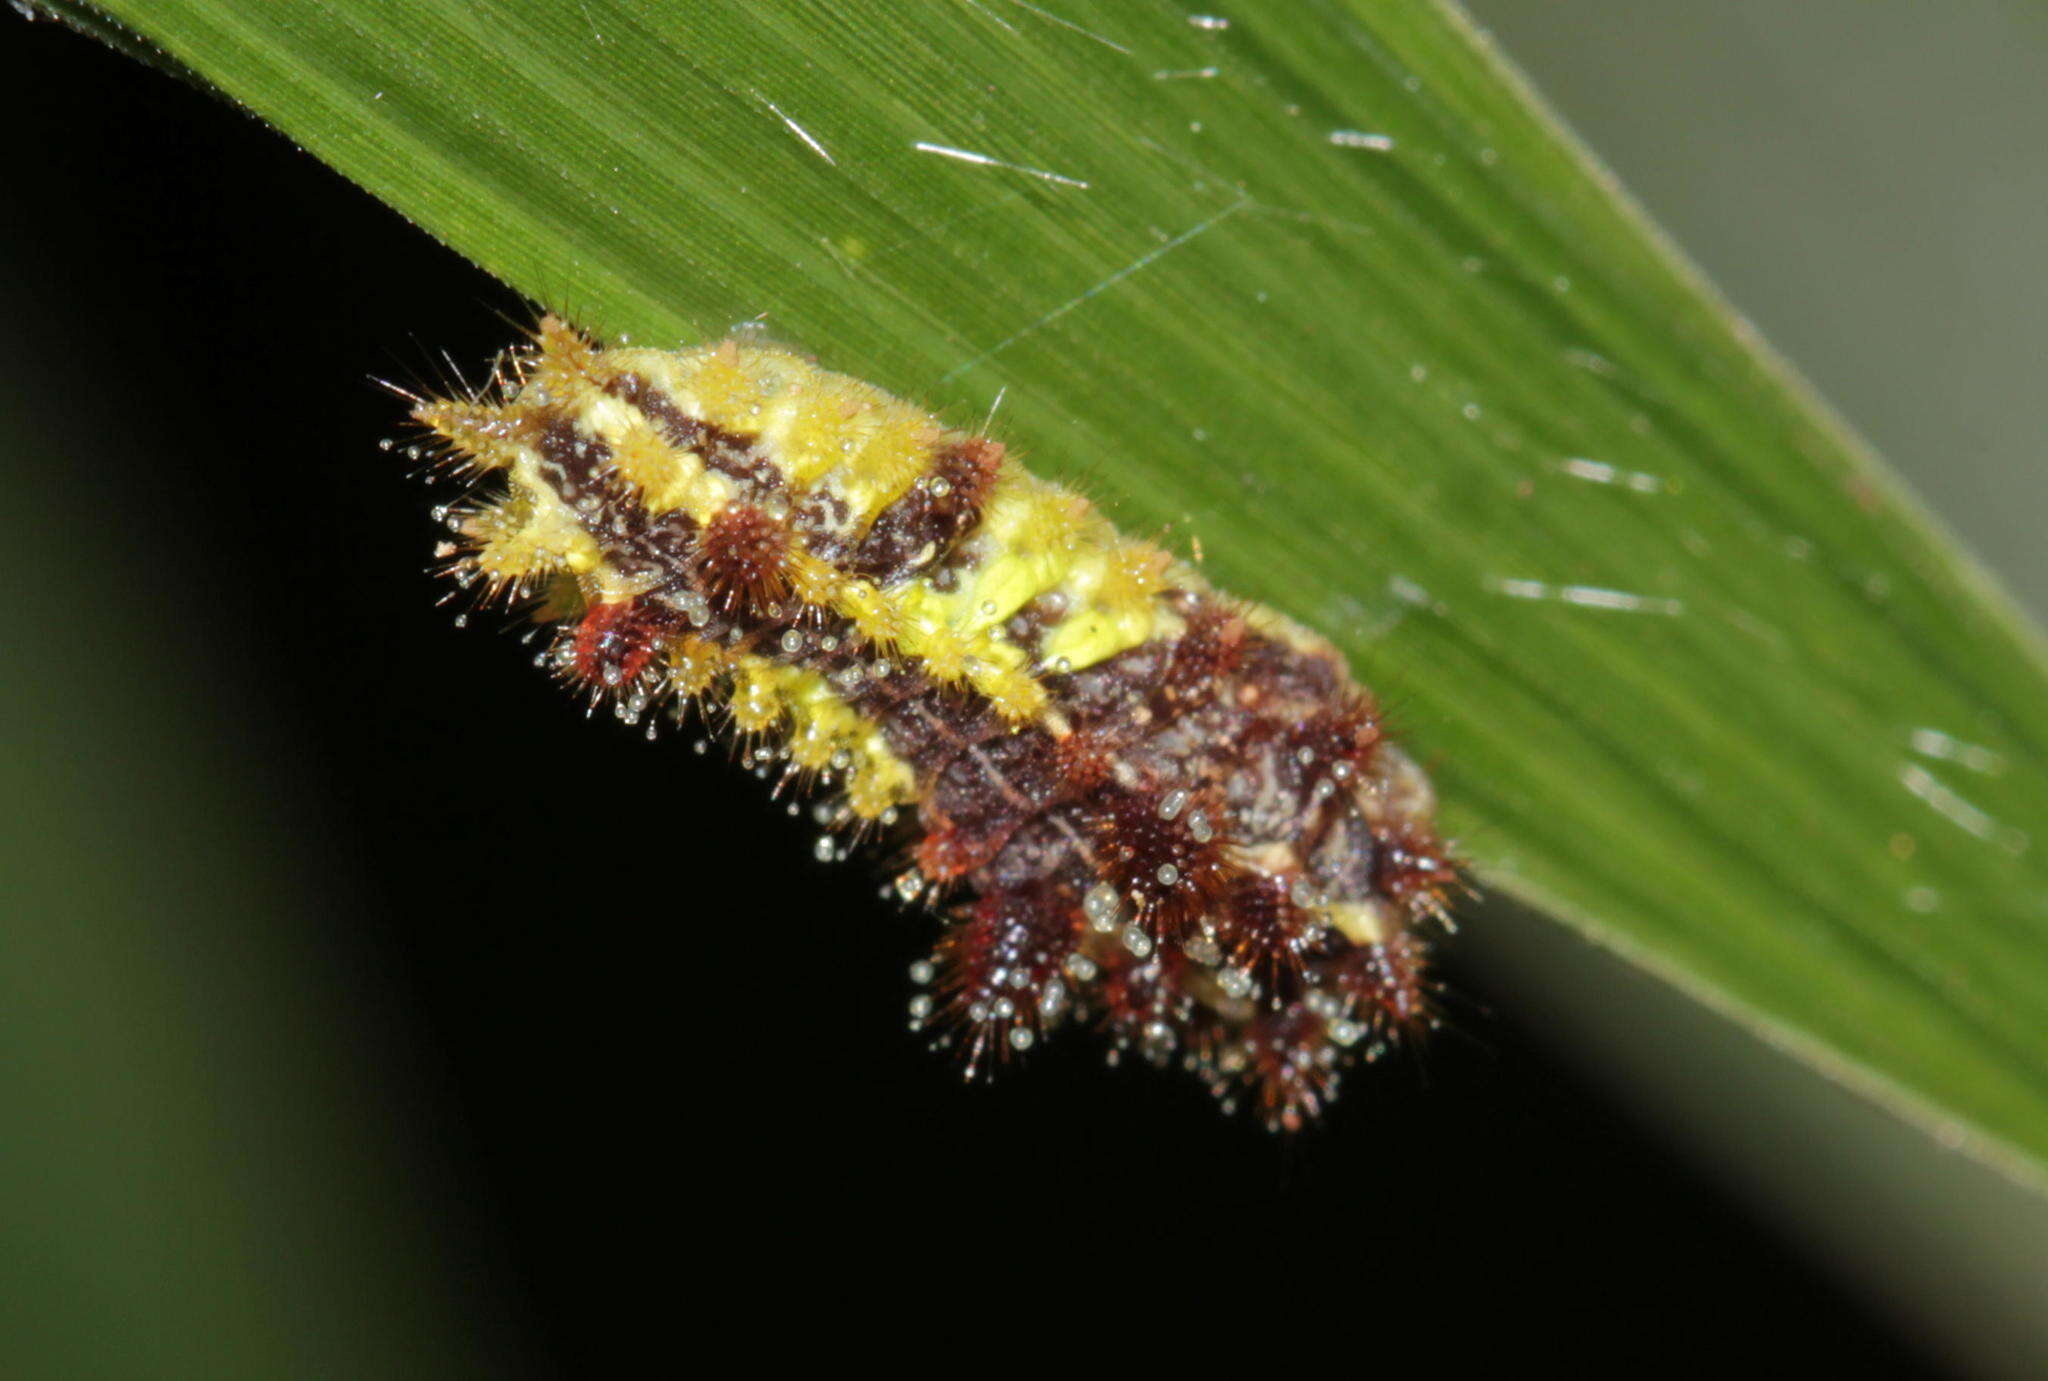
(1322,289)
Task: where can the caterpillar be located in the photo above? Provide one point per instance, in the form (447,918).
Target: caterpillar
(1138,805)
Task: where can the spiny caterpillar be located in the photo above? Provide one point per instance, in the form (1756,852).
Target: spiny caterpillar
(1138,805)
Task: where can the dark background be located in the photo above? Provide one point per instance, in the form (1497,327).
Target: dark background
(623,1072)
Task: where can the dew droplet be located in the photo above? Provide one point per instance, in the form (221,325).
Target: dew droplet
(1100,905)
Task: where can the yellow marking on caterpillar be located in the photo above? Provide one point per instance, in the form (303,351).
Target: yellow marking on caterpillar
(856,449)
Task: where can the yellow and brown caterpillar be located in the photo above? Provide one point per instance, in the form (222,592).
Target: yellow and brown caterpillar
(1138,805)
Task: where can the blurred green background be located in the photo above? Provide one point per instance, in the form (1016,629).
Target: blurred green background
(199,1173)
(236,1144)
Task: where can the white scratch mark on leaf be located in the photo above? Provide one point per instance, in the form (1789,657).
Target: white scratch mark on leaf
(810,141)
(1142,262)
(1600,472)
(991,15)
(983,160)
(1049,17)
(1933,743)
(1588,597)
(1960,812)
(1362,139)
